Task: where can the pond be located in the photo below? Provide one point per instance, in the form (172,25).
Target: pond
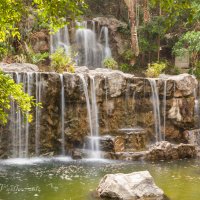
(65,179)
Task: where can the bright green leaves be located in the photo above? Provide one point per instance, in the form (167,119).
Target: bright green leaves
(189,42)
(10,91)
(53,13)
(61,62)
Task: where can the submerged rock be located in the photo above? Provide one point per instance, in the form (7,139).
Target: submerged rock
(133,186)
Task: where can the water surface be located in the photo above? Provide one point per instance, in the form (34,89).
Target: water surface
(65,179)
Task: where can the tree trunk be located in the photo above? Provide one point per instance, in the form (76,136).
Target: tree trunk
(131,4)
(146,11)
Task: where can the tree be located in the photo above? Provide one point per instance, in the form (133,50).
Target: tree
(189,42)
(131,4)
(51,12)
(10,91)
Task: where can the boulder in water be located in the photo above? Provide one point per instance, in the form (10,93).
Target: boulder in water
(133,186)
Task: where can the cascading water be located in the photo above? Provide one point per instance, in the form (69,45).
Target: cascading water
(107,50)
(62,96)
(156,109)
(60,39)
(38,113)
(196,107)
(92,112)
(19,127)
(29,82)
(164,107)
(95,121)
(90,51)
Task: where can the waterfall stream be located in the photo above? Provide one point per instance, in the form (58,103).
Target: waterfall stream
(164,108)
(92,46)
(62,96)
(156,109)
(60,39)
(92,112)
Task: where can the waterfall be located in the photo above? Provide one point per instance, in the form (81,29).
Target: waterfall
(62,94)
(156,109)
(95,120)
(38,113)
(60,39)
(29,91)
(19,127)
(196,107)
(92,112)
(164,108)
(90,51)
(107,50)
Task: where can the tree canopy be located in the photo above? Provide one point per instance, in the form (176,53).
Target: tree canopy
(51,12)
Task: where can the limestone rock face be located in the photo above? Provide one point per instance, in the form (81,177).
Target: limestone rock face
(183,84)
(40,41)
(112,23)
(134,186)
(19,67)
(123,101)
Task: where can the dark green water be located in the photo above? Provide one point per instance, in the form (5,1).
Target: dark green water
(71,180)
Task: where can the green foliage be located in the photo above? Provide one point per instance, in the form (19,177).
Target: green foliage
(128,55)
(52,13)
(149,32)
(189,42)
(125,67)
(21,58)
(3,50)
(196,70)
(155,69)
(110,63)
(37,58)
(10,91)
(61,62)
(175,10)
(172,70)
(124,31)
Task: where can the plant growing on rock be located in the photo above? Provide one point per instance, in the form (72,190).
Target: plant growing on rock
(155,69)
(110,63)
(61,62)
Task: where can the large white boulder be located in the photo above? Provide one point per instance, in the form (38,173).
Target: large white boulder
(134,186)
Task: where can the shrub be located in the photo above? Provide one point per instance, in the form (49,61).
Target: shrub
(37,58)
(110,63)
(196,71)
(21,58)
(128,55)
(155,69)
(61,62)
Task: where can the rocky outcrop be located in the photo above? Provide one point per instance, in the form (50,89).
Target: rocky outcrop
(40,41)
(118,41)
(134,186)
(193,138)
(167,151)
(123,101)
(19,67)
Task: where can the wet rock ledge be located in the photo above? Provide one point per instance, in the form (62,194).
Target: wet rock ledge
(123,100)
